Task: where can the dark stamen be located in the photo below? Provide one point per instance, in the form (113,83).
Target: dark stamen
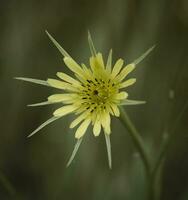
(95,92)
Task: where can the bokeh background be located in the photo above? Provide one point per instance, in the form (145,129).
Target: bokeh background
(36,167)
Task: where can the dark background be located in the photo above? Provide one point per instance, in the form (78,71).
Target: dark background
(36,167)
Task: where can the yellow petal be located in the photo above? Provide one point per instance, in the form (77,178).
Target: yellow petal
(94,64)
(73,66)
(61,85)
(121,95)
(60,97)
(127,69)
(64,110)
(127,83)
(97,64)
(67,78)
(105,121)
(117,67)
(100,59)
(87,72)
(115,110)
(79,119)
(82,128)
(97,128)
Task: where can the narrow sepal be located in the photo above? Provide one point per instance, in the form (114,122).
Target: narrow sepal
(59,47)
(109,61)
(75,150)
(43,125)
(138,60)
(41,104)
(128,102)
(31,80)
(108,147)
(91,45)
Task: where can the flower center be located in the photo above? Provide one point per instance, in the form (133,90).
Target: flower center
(98,92)
(95,92)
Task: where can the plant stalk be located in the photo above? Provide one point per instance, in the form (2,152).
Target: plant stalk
(137,140)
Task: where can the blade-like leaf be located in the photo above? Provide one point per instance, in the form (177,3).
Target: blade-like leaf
(59,47)
(138,60)
(31,80)
(108,147)
(43,125)
(128,102)
(75,150)
(109,61)
(91,45)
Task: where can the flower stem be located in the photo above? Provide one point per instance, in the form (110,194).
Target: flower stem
(157,170)
(137,140)
(139,144)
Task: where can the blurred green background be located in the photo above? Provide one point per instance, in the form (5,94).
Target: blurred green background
(36,167)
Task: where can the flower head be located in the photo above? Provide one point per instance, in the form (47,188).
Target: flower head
(93,94)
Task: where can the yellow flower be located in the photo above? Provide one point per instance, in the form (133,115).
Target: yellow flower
(94,94)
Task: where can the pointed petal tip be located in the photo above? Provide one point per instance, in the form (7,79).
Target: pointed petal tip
(31,105)
(48,34)
(57,45)
(18,78)
(88,33)
(31,134)
(32,80)
(110,167)
(43,125)
(44,103)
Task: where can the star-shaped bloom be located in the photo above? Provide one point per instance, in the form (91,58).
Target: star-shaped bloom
(93,94)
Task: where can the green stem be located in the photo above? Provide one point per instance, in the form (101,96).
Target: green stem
(139,144)
(157,170)
(7,184)
(156,182)
(153,174)
(137,141)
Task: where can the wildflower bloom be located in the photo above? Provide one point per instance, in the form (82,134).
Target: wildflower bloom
(94,94)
